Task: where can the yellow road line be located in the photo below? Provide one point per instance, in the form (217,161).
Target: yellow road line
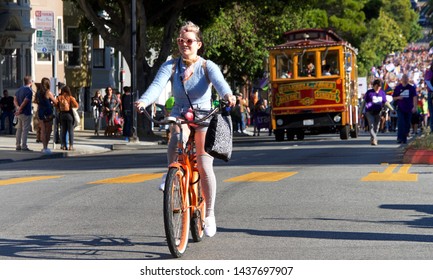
(26,180)
(133,178)
(390,169)
(262,177)
(402,175)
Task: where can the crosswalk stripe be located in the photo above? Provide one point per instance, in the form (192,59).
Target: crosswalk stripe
(26,180)
(262,177)
(402,175)
(133,178)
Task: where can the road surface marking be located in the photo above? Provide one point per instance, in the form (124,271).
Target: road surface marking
(133,178)
(402,175)
(26,180)
(262,177)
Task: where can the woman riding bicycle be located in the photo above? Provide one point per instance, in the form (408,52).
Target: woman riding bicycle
(190,79)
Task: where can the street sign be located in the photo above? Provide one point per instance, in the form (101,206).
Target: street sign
(44,20)
(64,47)
(45,41)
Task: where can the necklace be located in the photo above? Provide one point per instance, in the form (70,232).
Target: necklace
(189,61)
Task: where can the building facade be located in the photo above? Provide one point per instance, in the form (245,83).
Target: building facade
(31,32)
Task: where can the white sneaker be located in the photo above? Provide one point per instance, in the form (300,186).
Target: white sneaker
(210,226)
(161,186)
(46,151)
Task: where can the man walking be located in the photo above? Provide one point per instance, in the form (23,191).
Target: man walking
(23,105)
(406,99)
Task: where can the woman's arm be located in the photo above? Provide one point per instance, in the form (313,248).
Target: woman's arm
(74,102)
(156,87)
(52,98)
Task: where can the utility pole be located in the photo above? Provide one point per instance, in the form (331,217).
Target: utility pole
(134,90)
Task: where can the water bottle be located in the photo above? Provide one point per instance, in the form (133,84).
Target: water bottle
(15,121)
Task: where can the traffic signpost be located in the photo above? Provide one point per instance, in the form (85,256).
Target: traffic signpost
(44,20)
(64,47)
(45,41)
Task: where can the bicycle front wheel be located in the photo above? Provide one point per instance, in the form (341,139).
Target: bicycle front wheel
(176,212)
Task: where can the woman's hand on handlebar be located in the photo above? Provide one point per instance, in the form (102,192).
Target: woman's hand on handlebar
(140,106)
(231,99)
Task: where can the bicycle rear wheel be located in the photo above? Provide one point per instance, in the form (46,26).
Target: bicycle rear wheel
(176,212)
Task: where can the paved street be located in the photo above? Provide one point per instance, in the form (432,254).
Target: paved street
(321,198)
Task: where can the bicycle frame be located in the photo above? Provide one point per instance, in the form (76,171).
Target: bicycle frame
(187,161)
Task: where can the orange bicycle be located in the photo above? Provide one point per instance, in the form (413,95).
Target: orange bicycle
(184,203)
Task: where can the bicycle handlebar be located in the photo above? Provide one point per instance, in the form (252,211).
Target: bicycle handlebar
(169,120)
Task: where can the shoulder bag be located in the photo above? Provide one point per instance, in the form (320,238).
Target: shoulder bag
(77,120)
(219,136)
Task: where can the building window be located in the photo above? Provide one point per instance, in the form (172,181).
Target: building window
(73,37)
(44,57)
(10,71)
(98,58)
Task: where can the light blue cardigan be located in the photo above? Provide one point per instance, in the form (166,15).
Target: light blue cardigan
(197,86)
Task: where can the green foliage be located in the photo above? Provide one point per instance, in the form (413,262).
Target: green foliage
(384,37)
(425,142)
(238,37)
(405,17)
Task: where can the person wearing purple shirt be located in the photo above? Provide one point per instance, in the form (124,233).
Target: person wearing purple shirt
(374,101)
(406,99)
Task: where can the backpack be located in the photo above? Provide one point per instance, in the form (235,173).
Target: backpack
(64,104)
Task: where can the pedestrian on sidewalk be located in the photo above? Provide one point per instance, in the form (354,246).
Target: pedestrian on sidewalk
(8,109)
(23,113)
(126,112)
(97,104)
(45,100)
(65,103)
(406,99)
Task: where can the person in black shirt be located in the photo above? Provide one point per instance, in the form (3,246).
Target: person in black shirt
(127,112)
(97,104)
(8,109)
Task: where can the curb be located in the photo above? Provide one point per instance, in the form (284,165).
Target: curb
(418,156)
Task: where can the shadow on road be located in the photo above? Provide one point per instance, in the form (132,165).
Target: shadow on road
(420,221)
(78,247)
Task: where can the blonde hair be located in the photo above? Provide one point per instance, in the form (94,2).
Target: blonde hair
(189,26)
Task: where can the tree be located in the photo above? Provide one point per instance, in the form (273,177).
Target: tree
(383,38)
(157,21)
(405,17)
(346,17)
(239,34)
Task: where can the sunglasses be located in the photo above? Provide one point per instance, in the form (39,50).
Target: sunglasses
(182,41)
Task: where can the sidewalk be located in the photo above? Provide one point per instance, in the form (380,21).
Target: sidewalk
(85,142)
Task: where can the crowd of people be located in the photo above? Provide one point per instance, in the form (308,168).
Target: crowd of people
(400,95)
(253,111)
(49,108)
(58,113)
(116,109)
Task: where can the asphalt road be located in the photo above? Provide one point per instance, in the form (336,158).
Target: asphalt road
(317,199)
